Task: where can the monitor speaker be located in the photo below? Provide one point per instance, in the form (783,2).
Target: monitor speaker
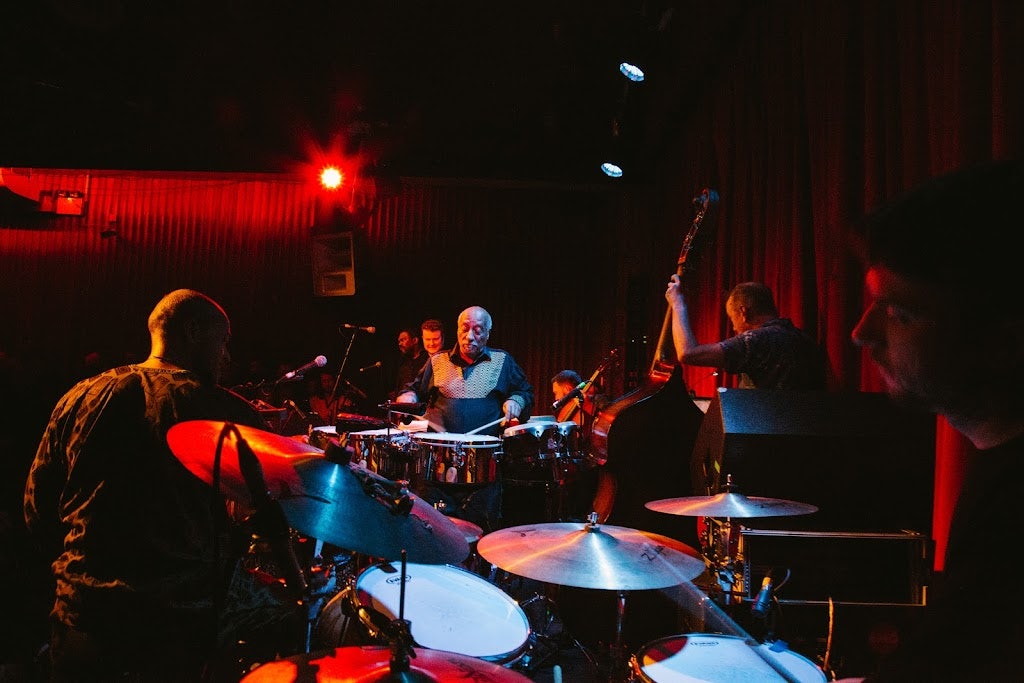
(865,463)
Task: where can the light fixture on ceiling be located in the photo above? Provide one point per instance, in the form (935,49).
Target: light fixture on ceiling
(612,166)
(632,72)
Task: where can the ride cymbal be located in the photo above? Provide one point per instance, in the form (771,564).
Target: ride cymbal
(588,555)
(730,504)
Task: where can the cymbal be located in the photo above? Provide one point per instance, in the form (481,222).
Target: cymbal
(730,504)
(591,556)
(471,531)
(338,505)
(194,443)
(372,663)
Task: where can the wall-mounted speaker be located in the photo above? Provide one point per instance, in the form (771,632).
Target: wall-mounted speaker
(333,265)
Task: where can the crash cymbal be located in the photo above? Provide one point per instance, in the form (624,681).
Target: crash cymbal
(355,509)
(194,443)
(730,504)
(591,556)
(373,663)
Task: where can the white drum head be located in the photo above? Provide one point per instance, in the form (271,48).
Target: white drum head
(449,609)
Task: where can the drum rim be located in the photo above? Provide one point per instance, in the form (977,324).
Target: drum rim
(384,431)
(439,439)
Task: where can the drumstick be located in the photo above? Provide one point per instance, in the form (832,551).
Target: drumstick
(489,424)
(430,423)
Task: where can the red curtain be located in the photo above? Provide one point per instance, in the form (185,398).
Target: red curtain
(813,113)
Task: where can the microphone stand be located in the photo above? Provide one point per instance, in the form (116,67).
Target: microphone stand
(337,379)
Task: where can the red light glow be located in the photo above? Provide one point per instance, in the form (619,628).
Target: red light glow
(331,178)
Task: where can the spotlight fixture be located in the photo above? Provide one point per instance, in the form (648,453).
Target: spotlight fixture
(632,72)
(611,169)
(331,178)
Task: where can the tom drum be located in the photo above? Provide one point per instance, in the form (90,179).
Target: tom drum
(457,458)
(388,452)
(448,608)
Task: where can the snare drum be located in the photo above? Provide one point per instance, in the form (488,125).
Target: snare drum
(457,458)
(714,657)
(387,452)
(448,608)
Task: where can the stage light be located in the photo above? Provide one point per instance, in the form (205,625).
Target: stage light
(331,178)
(632,72)
(611,169)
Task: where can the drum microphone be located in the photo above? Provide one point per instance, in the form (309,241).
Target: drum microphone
(317,362)
(575,393)
(368,329)
(763,601)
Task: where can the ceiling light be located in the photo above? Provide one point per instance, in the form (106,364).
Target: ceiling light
(611,169)
(632,72)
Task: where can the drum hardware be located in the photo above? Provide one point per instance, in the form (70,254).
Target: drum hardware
(592,556)
(721,537)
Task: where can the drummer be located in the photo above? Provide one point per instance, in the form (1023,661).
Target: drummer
(472,385)
(130,534)
(468,388)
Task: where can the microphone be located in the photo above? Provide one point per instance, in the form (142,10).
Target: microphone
(270,519)
(317,362)
(575,393)
(371,366)
(763,601)
(369,329)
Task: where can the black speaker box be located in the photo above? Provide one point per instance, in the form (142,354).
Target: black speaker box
(865,463)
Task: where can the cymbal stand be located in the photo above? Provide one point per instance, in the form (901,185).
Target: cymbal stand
(401,639)
(619,666)
(722,550)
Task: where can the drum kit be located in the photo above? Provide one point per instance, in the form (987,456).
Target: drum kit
(413,611)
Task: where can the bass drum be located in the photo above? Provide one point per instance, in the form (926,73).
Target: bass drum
(713,657)
(448,608)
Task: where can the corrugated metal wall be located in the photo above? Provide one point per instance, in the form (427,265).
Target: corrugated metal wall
(544,260)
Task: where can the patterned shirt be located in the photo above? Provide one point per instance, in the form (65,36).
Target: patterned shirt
(131,531)
(464,397)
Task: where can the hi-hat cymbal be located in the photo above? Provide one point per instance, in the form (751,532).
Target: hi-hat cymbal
(359,510)
(730,504)
(373,663)
(194,443)
(591,556)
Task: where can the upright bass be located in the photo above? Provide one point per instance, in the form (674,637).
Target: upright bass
(646,437)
